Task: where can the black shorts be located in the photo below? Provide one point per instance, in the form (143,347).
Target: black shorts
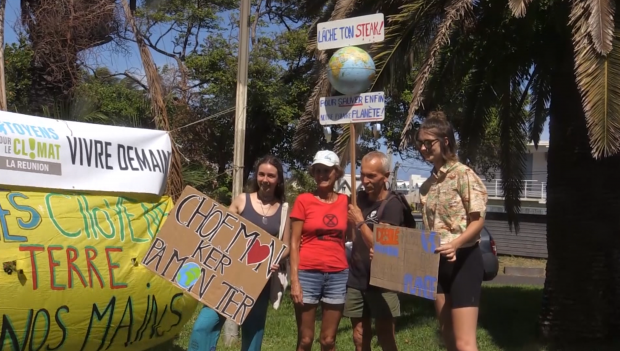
(462,279)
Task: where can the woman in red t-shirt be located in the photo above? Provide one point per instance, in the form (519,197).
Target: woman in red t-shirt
(319,267)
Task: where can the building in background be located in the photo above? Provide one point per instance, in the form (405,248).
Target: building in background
(409,188)
(531,241)
(534,189)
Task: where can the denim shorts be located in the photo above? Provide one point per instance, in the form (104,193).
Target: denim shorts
(318,286)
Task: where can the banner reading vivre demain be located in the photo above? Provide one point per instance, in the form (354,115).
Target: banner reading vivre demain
(80,205)
(57,154)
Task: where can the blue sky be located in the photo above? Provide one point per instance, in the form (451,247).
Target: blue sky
(130,61)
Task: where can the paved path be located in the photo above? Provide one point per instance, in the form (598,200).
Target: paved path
(503,279)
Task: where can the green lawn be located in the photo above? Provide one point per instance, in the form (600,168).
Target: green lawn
(507,322)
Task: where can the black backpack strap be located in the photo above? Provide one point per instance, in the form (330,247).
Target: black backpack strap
(382,206)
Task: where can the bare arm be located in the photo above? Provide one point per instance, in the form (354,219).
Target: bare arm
(294,252)
(238,204)
(356,218)
(367,236)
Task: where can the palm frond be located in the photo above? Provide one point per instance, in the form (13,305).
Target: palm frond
(598,79)
(601,24)
(407,35)
(454,12)
(78,109)
(480,98)
(518,7)
(342,145)
(513,119)
(327,14)
(539,111)
(308,121)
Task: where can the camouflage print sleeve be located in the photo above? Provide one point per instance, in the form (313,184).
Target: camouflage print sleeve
(473,192)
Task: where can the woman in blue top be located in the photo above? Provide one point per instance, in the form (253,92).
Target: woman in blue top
(265,207)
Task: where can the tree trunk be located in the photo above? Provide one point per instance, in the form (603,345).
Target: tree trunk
(175,175)
(581,299)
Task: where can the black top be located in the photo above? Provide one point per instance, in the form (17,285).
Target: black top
(273,222)
(359,268)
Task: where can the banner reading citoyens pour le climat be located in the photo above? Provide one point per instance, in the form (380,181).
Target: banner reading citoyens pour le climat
(57,154)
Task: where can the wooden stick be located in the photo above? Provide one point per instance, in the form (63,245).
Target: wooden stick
(353,163)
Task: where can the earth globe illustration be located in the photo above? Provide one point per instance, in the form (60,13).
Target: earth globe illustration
(188,275)
(351,70)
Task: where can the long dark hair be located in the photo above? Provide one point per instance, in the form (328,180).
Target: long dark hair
(274,161)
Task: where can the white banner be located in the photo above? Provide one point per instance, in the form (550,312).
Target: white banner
(56,154)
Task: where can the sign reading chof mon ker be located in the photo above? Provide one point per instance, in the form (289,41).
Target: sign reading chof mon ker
(218,257)
(405,260)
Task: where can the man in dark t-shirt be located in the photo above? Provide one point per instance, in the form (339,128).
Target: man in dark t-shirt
(364,301)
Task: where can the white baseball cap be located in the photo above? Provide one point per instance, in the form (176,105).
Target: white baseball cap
(327,158)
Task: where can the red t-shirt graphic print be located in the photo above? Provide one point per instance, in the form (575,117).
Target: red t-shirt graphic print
(323,233)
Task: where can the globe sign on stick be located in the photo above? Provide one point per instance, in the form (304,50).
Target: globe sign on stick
(351,70)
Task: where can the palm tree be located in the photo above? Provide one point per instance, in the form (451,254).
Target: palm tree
(524,61)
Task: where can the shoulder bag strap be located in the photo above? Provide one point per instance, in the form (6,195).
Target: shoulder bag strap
(382,206)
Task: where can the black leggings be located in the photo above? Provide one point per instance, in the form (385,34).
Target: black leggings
(462,279)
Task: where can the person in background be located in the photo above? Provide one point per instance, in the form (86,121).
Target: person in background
(453,205)
(363,301)
(264,206)
(319,267)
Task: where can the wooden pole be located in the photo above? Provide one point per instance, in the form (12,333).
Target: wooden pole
(353,163)
(231,330)
(242,90)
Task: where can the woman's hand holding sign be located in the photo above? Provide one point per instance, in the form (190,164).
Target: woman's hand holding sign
(447,250)
(275,267)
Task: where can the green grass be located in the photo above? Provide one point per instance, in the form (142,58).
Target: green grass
(507,321)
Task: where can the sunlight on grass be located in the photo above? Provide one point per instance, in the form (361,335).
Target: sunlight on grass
(507,322)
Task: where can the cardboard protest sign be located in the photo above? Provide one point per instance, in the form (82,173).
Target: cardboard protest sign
(70,281)
(219,258)
(405,260)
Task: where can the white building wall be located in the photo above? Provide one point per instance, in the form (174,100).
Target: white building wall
(539,167)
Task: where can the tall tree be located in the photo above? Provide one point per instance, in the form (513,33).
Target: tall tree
(565,55)
(18,57)
(204,48)
(59,30)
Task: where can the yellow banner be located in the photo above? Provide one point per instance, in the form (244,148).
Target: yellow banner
(72,278)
